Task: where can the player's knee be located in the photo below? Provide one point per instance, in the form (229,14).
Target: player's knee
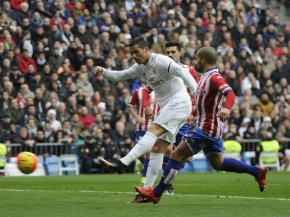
(157,130)
(177,156)
(168,150)
(155,149)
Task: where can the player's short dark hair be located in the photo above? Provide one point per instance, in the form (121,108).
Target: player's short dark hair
(140,41)
(208,53)
(173,44)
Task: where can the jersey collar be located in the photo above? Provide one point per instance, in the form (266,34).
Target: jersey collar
(211,70)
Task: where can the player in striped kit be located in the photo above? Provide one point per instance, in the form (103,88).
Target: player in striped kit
(211,112)
(166,78)
(137,110)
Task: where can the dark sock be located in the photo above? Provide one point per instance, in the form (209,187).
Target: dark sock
(160,188)
(145,167)
(165,162)
(233,165)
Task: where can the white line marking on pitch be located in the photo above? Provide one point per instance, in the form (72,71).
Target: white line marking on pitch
(179,195)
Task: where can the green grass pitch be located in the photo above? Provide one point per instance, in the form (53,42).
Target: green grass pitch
(212,194)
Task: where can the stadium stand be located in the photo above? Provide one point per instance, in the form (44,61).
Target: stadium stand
(50,95)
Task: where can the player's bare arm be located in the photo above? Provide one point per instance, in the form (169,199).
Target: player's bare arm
(148,112)
(135,115)
(230,100)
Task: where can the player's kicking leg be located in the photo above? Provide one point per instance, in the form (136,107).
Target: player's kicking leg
(144,145)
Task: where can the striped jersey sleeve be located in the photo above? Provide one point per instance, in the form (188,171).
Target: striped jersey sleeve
(218,82)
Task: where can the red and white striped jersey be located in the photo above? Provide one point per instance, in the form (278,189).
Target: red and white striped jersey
(194,74)
(210,93)
(192,71)
(136,100)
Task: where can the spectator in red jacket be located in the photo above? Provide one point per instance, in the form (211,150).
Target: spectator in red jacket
(15,4)
(86,118)
(24,61)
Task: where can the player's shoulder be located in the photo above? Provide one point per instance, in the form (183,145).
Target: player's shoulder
(138,68)
(163,62)
(216,75)
(160,58)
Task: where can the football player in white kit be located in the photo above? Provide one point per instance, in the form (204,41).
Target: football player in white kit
(166,78)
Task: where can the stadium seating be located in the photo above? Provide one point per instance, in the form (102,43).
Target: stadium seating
(200,163)
(51,165)
(11,169)
(68,163)
(273,155)
(247,156)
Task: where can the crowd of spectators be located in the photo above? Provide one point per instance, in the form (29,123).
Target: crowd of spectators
(48,50)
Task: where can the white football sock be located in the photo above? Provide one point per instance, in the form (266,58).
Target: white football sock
(154,167)
(144,145)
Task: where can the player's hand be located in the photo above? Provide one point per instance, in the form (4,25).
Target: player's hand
(140,120)
(99,70)
(190,120)
(148,113)
(224,114)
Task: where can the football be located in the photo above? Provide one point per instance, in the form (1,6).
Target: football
(27,162)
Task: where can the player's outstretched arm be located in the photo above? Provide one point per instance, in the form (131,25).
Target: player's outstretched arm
(115,75)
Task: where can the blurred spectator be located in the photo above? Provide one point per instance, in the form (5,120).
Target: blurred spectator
(55,60)
(84,83)
(23,138)
(251,132)
(26,92)
(267,124)
(61,136)
(16,113)
(86,118)
(158,46)
(244,127)
(236,118)
(232,133)
(257,119)
(266,105)
(5,101)
(91,152)
(24,61)
(40,136)
(31,127)
(51,119)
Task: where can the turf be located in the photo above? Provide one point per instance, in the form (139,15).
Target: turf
(212,194)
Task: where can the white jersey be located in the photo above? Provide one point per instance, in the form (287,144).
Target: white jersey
(165,77)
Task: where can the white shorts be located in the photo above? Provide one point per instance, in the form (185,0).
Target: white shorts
(172,116)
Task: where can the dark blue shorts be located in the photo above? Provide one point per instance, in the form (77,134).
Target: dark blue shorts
(138,135)
(198,140)
(182,132)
